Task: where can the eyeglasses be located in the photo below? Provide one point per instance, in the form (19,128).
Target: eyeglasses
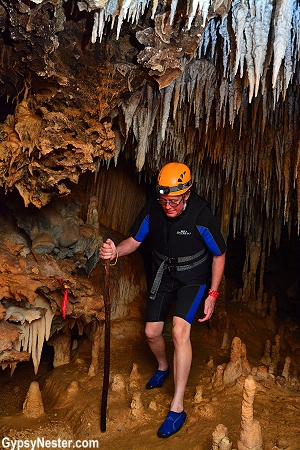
(164,202)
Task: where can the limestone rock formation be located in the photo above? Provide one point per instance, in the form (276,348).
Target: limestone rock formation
(251,437)
(136,407)
(33,405)
(234,368)
(61,255)
(84,83)
(220,438)
(87,84)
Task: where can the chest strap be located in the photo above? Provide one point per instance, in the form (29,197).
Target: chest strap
(172,264)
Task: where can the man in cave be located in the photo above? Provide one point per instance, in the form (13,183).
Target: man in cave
(188,250)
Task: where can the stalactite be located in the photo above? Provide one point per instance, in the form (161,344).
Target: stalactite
(223,30)
(248,54)
(34,324)
(173,10)
(239,14)
(166,105)
(129,108)
(261,28)
(177,96)
(251,22)
(140,130)
(198,6)
(95,27)
(282,28)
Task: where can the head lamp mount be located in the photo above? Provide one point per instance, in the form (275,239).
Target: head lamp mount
(165,190)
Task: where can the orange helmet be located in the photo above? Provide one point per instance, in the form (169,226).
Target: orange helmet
(174,179)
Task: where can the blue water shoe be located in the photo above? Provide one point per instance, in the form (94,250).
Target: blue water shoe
(158,378)
(172,424)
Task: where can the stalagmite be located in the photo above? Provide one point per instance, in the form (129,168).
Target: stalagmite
(210,362)
(261,371)
(118,384)
(266,358)
(96,343)
(246,367)
(199,394)
(61,343)
(240,295)
(92,216)
(33,405)
(250,437)
(220,439)
(234,368)
(225,342)
(136,406)
(135,378)
(249,271)
(264,305)
(153,405)
(217,380)
(286,368)
(271,317)
(234,295)
(275,355)
(225,444)
(73,388)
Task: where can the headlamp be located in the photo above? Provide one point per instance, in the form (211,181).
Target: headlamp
(165,190)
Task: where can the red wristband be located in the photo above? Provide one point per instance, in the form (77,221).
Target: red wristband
(214,294)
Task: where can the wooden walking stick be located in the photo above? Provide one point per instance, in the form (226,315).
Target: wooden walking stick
(106,348)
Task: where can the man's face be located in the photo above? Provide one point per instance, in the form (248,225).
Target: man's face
(173,204)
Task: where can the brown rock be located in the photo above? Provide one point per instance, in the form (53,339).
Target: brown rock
(33,405)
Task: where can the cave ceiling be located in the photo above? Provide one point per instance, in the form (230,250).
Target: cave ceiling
(213,83)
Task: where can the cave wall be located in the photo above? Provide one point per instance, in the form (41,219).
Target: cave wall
(52,283)
(120,195)
(94,102)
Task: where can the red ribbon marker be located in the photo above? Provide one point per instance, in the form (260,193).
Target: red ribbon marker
(64,304)
(64,301)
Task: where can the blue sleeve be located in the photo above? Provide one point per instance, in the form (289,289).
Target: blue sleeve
(210,232)
(209,240)
(142,230)
(141,225)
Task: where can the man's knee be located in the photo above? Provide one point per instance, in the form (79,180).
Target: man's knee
(153,330)
(181,331)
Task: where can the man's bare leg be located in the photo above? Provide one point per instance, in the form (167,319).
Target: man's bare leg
(156,343)
(182,361)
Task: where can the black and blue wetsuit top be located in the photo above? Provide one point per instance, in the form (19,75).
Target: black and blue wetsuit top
(187,241)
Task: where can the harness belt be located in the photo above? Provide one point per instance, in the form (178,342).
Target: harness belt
(171,264)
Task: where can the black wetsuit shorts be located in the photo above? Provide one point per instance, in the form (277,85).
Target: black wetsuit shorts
(185,296)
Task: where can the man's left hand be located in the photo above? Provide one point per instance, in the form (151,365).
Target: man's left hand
(209,307)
